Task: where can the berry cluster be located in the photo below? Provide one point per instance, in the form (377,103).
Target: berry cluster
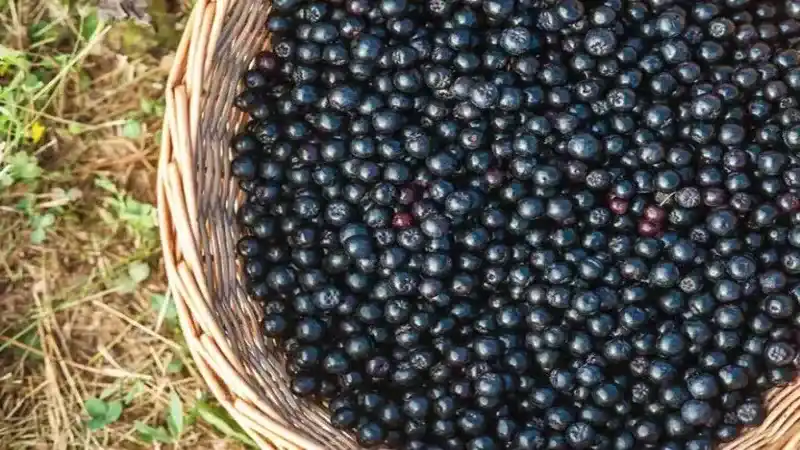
(527,224)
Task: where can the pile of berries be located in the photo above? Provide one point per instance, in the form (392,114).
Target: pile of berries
(527,224)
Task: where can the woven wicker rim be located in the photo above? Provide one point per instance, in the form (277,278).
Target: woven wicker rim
(197,201)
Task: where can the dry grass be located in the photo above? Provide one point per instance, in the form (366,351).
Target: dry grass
(77,314)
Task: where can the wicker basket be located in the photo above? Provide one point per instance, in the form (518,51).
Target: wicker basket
(197,200)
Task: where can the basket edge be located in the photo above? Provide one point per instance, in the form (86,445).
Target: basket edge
(261,428)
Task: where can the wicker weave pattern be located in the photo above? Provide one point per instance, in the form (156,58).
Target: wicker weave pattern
(197,198)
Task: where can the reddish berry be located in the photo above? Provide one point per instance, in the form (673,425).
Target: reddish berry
(402,220)
(618,206)
(649,229)
(653,213)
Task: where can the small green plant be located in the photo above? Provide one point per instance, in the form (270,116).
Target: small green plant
(40,222)
(128,281)
(132,129)
(90,24)
(164,304)
(175,365)
(102,413)
(218,418)
(175,420)
(152,108)
(20,84)
(19,167)
(122,209)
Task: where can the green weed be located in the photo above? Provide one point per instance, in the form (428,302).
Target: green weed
(19,167)
(218,418)
(164,305)
(102,413)
(120,209)
(39,222)
(175,420)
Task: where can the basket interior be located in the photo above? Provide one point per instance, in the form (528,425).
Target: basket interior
(241,34)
